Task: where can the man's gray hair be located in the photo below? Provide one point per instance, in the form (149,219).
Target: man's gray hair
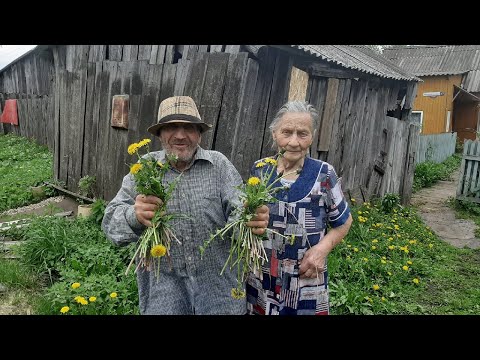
(295,106)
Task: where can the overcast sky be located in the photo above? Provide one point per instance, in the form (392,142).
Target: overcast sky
(8,53)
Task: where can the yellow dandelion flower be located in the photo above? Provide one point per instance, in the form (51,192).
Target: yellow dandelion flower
(135,168)
(359,213)
(132,149)
(396,227)
(374,241)
(391,247)
(365,259)
(237,293)
(64,309)
(92,299)
(383,261)
(144,142)
(113,295)
(271,161)
(430,245)
(405,267)
(355,249)
(383,299)
(376,287)
(253,181)
(75,285)
(260,164)
(349,246)
(80,299)
(158,251)
(83,301)
(384,258)
(409,262)
(416,281)
(389,273)
(373,247)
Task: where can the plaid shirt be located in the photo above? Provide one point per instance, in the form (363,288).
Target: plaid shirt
(206,194)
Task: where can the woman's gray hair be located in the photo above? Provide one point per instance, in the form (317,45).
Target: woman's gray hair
(295,106)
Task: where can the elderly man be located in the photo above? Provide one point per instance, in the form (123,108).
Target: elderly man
(207,195)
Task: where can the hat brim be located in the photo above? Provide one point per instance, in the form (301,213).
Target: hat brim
(155,128)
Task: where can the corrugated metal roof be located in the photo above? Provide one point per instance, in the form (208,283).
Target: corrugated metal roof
(431,60)
(358,58)
(472,81)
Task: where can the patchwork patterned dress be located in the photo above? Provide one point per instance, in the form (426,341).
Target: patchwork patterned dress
(314,200)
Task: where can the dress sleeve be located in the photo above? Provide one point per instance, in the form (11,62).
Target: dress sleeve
(337,207)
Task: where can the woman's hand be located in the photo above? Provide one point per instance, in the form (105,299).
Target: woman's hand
(313,261)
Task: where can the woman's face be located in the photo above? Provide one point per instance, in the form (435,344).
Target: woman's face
(294,134)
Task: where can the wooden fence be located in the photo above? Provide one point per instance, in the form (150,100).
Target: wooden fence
(469,181)
(436,148)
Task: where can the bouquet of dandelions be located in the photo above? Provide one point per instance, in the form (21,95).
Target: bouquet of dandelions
(246,250)
(156,240)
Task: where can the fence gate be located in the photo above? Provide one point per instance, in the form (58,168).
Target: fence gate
(469,181)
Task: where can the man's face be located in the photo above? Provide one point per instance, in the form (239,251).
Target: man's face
(180,139)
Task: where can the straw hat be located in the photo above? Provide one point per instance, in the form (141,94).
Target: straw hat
(178,109)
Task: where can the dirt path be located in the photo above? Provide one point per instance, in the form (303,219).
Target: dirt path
(433,209)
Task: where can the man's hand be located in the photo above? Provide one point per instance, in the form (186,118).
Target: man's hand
(260,221)
(145,207)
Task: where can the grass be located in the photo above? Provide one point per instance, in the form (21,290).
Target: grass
(22,287)
(391,263)
(23,164)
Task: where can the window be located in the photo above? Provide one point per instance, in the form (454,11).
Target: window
(417,118)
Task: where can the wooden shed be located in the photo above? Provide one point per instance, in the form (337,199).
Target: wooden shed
(448,100)
(88,102)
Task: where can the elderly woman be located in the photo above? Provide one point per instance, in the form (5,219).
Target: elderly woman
(294,280)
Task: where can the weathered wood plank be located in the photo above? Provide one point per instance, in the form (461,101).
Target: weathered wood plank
(263,87)
(182,69)
(278,96)
(246,148)
(412,141)
(89,165)
(210,103)
(327,119)
(323,155)
(232,49)
(169,54)
(115,52)
(336,150)
(461,180)
(130,52)
(196,79)
(144,52)
(160,59)
(97,53)
(216,48)
(228,120)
